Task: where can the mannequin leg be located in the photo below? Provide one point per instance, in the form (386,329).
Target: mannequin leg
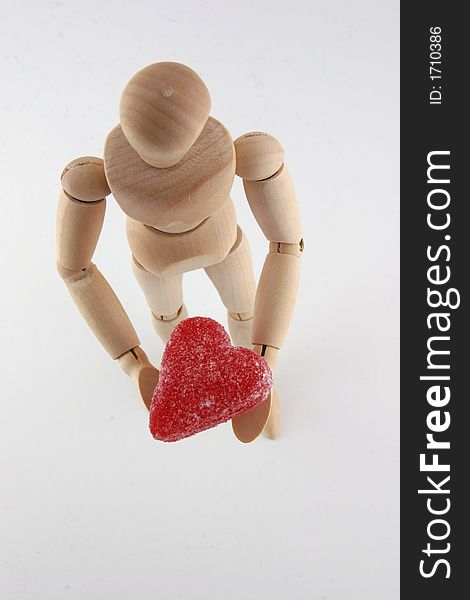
(235,282)
(164,296)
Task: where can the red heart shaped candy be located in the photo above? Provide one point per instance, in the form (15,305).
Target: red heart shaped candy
(204,381)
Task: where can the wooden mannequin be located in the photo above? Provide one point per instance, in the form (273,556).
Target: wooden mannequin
(170,166)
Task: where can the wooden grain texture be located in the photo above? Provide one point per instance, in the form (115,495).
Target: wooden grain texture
(177,198)
(275,298)
(264,418)
(240,329)
(233,277)
(165,326)
(259,156)
(84,179)
(274,206)
(235,281)
(137,366)
(162,111)
(102,310)
(165,254)
(78,227)
(272,429)
(164,295)
(249,425)
(269,353)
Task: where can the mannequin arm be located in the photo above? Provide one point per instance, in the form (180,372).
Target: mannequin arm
(80,215)
(271,196)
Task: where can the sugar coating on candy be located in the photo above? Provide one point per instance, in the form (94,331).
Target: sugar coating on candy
(204,381)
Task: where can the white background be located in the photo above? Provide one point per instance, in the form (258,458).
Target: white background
(90,505)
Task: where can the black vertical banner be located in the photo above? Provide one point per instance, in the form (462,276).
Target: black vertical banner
(435,251)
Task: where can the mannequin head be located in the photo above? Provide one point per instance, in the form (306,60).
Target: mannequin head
(163,109)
